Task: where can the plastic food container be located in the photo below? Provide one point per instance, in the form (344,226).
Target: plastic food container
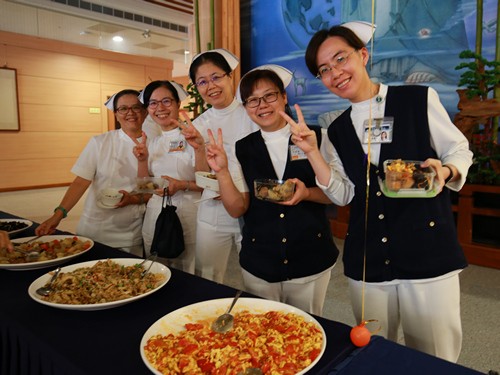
(408,175)
(274,190)
(150,184)
(207,180)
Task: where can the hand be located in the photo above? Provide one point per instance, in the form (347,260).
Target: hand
(5,241)
(49,226)
(216,155)
(190,133)
(302,136)
(440,171)
(174,185)
(126,199)
(301,193)
(140,149)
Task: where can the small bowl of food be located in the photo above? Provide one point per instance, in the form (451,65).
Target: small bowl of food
(207,180)
(407,175)
(274,190)
(150,184)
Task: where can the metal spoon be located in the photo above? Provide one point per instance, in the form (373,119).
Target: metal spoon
(29,255)
(45,290)
(225,322)
(152,259)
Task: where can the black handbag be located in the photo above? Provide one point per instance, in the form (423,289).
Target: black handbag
(168,239)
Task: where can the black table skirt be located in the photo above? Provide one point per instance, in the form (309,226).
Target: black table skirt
(39,339)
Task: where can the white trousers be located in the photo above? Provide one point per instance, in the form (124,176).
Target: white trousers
(429,312)
(308,296)
(212,251)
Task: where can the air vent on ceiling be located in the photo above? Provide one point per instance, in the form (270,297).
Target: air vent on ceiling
(108,11)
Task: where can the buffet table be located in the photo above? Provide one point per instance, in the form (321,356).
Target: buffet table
(38,339)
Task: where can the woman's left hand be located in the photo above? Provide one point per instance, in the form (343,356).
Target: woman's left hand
(126,199)
(441,172)
(301,193)
(174,185)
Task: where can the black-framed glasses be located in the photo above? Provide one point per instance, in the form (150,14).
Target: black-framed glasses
(325,71)
(123,110)
(166,102)
(254,102)
(203,82)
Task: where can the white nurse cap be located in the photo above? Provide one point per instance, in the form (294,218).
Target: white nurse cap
(363,30)
(231,59)
(109,103)
(282,72)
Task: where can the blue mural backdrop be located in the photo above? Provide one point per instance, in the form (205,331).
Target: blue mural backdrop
(416,42)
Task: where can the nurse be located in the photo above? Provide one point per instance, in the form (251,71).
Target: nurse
(172,158)
(217,233)
(108,162)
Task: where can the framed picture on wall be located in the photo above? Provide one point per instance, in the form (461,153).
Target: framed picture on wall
(9,105)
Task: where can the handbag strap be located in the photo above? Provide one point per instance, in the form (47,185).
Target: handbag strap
(166,197)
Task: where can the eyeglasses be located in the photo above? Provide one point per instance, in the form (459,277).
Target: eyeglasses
(123,110)
(214,79)
(167,102)
(270,97)
(325,71)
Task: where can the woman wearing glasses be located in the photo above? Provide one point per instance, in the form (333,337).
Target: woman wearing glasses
(108,162)
(287,249)
(217,232)
(410,244)
(173,159)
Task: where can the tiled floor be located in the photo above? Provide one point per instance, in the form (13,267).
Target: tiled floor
(480,286)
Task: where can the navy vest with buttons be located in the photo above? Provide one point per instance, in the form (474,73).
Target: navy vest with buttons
(282,242)
(406,238)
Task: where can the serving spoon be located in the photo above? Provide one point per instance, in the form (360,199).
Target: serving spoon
(46,289)
(251,371)
(225,321)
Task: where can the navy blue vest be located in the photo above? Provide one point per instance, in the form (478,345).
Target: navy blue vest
(406,238)
(282,242)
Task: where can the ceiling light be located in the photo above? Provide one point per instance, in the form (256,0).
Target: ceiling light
(117,38)
(146,34)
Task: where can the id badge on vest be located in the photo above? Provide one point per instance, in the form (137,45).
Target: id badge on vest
(380,130)
(178,145)
(296,153)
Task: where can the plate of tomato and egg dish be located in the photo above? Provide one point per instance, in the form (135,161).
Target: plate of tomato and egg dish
(272,336)
(53,250)
(101,284)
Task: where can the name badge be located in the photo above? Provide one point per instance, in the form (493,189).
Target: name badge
(379,130)
(296,153)
(177,146)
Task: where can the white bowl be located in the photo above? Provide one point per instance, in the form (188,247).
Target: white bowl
(207,180)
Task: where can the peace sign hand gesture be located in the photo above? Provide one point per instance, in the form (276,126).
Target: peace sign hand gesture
(190,133)
(302,136)
(141,149)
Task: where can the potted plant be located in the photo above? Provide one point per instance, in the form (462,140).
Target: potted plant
(478,115)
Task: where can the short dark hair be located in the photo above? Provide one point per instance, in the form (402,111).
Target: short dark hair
(317,40)
(122,93)
(250,79)
(152,86)
(213,57)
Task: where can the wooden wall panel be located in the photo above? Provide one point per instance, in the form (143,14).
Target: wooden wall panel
(41,146)
(39,90)
(154,74)
(60,118)
(33,172)
(127,74)
(54,65)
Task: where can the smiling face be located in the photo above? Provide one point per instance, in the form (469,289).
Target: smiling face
(131,120)
(165,116)
(266,115)
(218,94)
(350,81)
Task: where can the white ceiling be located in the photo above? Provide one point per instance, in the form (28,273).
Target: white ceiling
(164,31)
